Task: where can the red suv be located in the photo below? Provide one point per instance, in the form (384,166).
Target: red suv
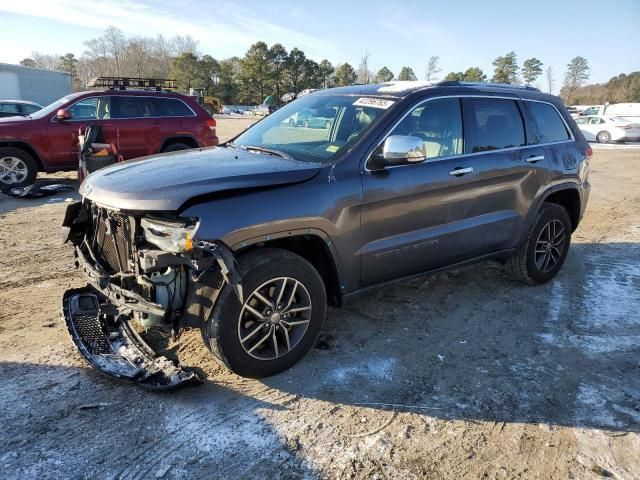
(137,122)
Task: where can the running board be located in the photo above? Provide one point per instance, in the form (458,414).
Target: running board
(111,345)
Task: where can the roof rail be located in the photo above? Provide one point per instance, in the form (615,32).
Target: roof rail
(122,83)
(457,83)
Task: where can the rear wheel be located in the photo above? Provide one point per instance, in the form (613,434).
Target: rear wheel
(603,137)
(544,250)
(174,147)
(279,320)
(17,168)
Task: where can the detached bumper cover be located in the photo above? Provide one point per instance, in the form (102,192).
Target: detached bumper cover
(109,343)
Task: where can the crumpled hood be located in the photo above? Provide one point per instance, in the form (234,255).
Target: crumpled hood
(165,182)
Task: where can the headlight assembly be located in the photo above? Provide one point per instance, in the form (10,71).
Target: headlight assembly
(170,236)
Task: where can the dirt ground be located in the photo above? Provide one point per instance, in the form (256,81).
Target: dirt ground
(459,375)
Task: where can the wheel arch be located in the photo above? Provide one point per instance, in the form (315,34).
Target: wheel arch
(27,147)
(566,195)
(569,198)
(311,244)
(186,139)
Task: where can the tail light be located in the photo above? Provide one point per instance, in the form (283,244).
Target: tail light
(589,151)
(211,123)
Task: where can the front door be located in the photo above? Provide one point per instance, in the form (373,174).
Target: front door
(415,216)
(63,135)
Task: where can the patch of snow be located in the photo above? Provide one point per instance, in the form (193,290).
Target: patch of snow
(379,369)
(591,408)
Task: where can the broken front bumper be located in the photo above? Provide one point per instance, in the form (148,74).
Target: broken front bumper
(107,340)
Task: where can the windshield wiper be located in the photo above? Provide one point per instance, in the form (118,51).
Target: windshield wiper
(268,151)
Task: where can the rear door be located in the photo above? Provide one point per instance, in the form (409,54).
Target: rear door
(510,172)
(140,123)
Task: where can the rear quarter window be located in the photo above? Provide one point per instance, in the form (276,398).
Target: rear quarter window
(550,127)
(176,108)
(492,124)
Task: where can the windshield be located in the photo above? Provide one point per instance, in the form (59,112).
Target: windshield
(315,128)
(52,107)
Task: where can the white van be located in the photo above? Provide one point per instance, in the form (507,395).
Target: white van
(616,109)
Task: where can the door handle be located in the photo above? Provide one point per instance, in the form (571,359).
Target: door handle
(457,172)
(535,158)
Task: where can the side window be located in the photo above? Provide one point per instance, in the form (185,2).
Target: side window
(29,109)
(176,108)
(9,108)
(492,124)
(551,128)
(595,121)
(582,120)
(126,107)
(92,108)
(438,123)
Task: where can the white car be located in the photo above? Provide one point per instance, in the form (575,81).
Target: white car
(606,129)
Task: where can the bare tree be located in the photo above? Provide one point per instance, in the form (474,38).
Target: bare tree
(116,43)
(137,57)
(550,79)
(162,51)
(46,61)
(364,74)
(184,44)
(432,68)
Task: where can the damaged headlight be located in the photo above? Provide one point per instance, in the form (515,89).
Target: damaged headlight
(170,236)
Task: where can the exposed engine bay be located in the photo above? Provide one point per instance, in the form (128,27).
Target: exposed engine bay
(131,279)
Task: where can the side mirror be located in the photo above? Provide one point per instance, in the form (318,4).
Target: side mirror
(400,150)
(63,114)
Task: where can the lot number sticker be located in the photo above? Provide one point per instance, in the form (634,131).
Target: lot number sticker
(373,102)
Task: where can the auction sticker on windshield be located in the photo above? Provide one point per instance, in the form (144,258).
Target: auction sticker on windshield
(382,103)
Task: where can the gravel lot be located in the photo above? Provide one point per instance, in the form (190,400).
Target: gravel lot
(463,374)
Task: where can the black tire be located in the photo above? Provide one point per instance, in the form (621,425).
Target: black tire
(522,265)
(221,332)
(29,170)
(603,137)
(175,147)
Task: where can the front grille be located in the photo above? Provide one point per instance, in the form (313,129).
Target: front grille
(111,240)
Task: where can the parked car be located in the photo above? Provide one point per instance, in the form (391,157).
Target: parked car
(592,110)
(606,129)
(138,122)
(311,119)
(17,108)
(250,241)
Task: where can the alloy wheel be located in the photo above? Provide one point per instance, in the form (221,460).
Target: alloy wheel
(12,170)
(550,245)
(274,318)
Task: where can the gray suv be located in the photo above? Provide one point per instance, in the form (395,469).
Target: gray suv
(251,240)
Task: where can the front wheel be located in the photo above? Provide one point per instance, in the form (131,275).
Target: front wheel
(544,250)
(603,137)
(283,309)
(17,168)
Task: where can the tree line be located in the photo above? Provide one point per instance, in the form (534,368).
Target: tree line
(272,70)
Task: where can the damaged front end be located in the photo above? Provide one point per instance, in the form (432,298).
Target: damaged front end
(130,278)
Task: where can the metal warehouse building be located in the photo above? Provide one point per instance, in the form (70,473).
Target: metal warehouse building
(33,84)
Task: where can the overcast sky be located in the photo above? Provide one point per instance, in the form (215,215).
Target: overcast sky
(396,33)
